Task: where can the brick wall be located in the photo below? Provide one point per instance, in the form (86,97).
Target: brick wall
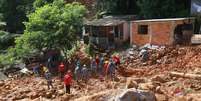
(159,33)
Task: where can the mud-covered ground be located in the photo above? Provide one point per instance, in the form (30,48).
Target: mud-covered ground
(154,75)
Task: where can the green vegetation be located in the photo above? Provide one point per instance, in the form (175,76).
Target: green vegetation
(54,24)
(50,27)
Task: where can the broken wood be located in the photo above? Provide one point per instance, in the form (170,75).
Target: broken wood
(185,75)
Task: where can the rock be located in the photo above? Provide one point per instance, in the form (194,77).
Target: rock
(158,90)
(131,84)
(60,87)
(48,94)
(161,97)
(197,71)
(41,83)
(53,96)
(139,80)
(1,83)
(27,90)
(33,95)
(134,95)
(159,78)
(60,92)
(66,97)
(116,79)
(180,98)
(7,87)
(146,86)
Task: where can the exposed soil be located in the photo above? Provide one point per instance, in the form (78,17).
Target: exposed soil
(154,75)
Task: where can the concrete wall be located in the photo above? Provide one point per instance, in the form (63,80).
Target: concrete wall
(159,32)
(126,32)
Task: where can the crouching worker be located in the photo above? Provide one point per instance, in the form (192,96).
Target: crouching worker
(36,70)
(144,55)
(49,79)
(67,82)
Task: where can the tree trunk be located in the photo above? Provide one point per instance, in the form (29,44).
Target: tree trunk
(185,75)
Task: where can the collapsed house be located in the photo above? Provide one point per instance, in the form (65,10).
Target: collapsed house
(162,31)
(108,32)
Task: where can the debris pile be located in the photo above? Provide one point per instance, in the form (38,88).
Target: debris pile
(170,74)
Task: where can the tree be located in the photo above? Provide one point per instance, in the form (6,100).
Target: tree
(162,8)
(14,13)
(52,27)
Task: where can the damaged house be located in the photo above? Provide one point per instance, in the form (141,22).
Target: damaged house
(162,31)
(111,32)
(108,32)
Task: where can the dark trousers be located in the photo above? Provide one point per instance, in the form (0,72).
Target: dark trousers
(49,84)
(61,75)
(67,89)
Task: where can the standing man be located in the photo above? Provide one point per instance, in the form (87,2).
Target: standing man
(49,79)
(67,82)
(85,74)
(101,64)
(61,69)
(93,66)
(78,70)
(111,69)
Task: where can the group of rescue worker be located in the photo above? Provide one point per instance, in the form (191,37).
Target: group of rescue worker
(100,66)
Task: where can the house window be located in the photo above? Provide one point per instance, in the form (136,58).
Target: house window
(143,29)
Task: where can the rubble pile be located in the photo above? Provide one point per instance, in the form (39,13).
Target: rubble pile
(170,74)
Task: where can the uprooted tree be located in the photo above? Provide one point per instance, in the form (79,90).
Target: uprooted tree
(51,27)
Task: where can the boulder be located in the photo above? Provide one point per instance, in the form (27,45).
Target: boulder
(135,95)
(131,84)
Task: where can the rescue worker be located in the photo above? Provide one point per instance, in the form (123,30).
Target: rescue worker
(67,82)
(49,79)
(36,70)
(45,69)
(85,73)
(101,64)
(61,69)
(105,67)
(93,66)
(116,60)
(111,69)
(78,70)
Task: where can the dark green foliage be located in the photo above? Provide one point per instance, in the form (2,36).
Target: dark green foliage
(14,13)
(7,39)
(162,8)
